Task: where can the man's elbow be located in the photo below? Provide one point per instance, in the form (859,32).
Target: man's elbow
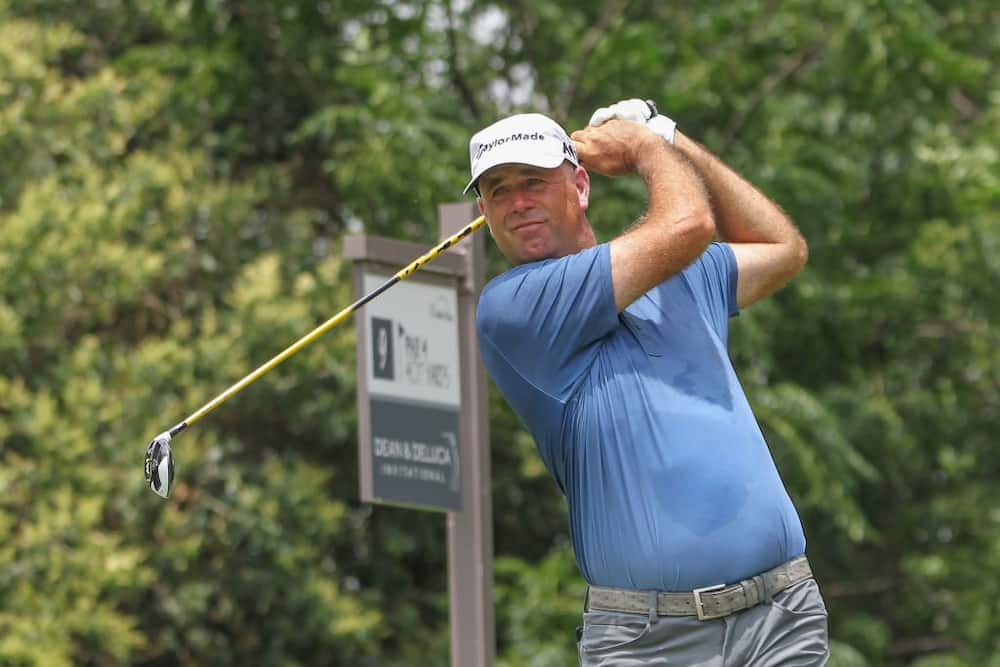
(701,229)
(789,260)
(799,254)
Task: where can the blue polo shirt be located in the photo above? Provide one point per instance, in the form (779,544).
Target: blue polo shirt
(641,420)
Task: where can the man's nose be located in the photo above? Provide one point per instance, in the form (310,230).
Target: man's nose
(521,200)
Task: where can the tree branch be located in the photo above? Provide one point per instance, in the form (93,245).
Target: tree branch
(612,9)
(789,66)
(871,586)
(457,78)
(911,647)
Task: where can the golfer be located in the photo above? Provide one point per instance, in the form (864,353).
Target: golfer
(614,355)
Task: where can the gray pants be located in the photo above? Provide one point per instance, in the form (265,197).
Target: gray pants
(790,631)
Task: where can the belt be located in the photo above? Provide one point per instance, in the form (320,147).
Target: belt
(707,602)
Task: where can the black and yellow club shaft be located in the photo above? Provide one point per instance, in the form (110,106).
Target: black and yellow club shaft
(159,460)
(402,274)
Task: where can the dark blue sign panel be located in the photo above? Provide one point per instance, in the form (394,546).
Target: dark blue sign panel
(415,454)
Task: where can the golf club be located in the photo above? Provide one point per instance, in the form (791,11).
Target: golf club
(159,467)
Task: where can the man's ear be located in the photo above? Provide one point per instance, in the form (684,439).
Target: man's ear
(581,179)
(482,211)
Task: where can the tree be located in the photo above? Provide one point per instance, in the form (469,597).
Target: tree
(176,182)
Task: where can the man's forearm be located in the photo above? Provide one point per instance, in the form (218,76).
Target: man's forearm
(673,232)
(743,214)
(675,190)
(769,249)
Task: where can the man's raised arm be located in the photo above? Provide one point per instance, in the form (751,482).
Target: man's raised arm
(677,225)
(769,249)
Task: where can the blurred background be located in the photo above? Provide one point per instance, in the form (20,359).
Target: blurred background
(177,177)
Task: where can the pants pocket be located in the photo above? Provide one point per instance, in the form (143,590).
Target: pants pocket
(603,632)
(802,599)
(794,632)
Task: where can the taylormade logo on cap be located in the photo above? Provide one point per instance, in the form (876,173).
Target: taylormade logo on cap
(528,138)
(534,136)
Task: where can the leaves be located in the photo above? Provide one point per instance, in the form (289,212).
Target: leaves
(175,184)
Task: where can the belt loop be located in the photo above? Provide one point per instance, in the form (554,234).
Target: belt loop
(758,585)
(763,585)
(652,607)
(586,600)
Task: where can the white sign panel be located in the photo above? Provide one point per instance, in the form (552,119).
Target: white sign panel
(412,332)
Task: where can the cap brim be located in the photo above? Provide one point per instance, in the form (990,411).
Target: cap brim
(515,155)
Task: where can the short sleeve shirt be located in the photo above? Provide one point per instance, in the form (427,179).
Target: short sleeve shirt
(641,420)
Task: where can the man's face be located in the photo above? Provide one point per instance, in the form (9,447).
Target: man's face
(536,213)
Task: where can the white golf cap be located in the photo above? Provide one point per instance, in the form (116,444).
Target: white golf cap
(527,138)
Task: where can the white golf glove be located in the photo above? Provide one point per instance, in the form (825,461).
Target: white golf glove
(641,111)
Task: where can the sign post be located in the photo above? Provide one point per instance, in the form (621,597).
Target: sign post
(470,532)
(422,410)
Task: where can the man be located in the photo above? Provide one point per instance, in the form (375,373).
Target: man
(614,355)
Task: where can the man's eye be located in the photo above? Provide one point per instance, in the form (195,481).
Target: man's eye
(499,191)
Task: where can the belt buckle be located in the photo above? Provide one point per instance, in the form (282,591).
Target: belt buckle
(699,606)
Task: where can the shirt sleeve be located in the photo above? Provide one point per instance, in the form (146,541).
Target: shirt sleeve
(712,277)
(545,319)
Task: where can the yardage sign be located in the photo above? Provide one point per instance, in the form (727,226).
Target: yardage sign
(414,393)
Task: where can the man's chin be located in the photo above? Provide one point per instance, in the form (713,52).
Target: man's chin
(528,256)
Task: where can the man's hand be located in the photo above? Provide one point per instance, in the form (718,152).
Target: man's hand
(633,109)
(641,111)
(614,148)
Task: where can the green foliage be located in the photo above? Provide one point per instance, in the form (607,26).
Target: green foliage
(845,655)
(539,606)
(175,182)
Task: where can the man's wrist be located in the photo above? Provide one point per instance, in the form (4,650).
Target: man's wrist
(649,156)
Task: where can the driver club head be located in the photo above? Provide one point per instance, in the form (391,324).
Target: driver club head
(160,465)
